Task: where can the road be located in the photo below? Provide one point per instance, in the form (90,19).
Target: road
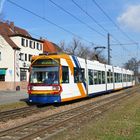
(12,96)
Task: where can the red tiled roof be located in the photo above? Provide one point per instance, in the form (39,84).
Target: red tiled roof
(49,47)
(8,29)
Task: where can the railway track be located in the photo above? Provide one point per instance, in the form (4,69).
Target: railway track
(25,111)
(21,112)
(46,127)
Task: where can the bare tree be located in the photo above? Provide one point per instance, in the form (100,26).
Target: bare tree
(83,51)
(62,45)
(97,55)
(132,64)
(76,47)
(73,46)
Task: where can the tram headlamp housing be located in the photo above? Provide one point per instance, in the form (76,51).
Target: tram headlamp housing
(55,88)
(30,88)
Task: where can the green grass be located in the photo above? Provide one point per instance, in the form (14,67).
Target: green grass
(119,123)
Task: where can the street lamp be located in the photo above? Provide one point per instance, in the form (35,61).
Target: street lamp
(99,47)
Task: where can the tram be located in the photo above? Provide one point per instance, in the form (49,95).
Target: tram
(62,77)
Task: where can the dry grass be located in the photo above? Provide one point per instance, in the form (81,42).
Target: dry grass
(10,106)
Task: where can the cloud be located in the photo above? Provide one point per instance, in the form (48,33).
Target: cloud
(130,18)
(1,5)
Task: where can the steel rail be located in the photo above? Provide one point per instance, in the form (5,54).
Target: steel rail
(71,120)
(21,112)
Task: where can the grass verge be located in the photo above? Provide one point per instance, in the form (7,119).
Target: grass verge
(11,106)
(120,123)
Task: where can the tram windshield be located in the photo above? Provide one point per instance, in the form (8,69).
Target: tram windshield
(45,75)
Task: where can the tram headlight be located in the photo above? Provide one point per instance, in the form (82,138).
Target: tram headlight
(55,88)
(30,88)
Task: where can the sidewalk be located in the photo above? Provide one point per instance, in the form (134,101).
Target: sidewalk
(12,96)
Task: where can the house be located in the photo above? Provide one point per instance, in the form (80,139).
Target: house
(16,49)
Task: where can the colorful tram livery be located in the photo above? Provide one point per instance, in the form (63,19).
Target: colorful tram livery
(62,77)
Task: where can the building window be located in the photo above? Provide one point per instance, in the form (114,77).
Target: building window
(40,46)
(23,75)
(22,41)
(30,56)
(79,75)
(65,74)
(31,43)
(25,57)
(21,56)
(2,77)
(2,74)
(26,43)
(37,46)
(0,56)
(34,45)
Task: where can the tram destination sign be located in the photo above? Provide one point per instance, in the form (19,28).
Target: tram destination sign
(46,62)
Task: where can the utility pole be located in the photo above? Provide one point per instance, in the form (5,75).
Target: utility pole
(108,44)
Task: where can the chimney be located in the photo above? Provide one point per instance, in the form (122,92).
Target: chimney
(12,26)
(41,38)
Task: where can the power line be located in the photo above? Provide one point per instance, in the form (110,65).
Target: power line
(101,9)
(125,44)
(60,7)
(84,22)
(89,16)
(49,21)
(95,21)
(122,45)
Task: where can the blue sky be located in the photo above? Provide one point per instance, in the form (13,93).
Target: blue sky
(125,13)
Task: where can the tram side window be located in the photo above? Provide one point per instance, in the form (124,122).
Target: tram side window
(108,77)
(130,78)
(120,77)
(127,78)
(65,74)
(96,80)
(124,77)
(79,75)
(100,77)
(111,77)
(90,77)
(103,77)
(115,76)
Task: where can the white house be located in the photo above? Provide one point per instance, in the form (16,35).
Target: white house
(28,47)
(16,49)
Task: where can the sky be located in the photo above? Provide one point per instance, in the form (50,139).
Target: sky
(45,18)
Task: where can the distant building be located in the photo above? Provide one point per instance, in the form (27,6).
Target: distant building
(16,49)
